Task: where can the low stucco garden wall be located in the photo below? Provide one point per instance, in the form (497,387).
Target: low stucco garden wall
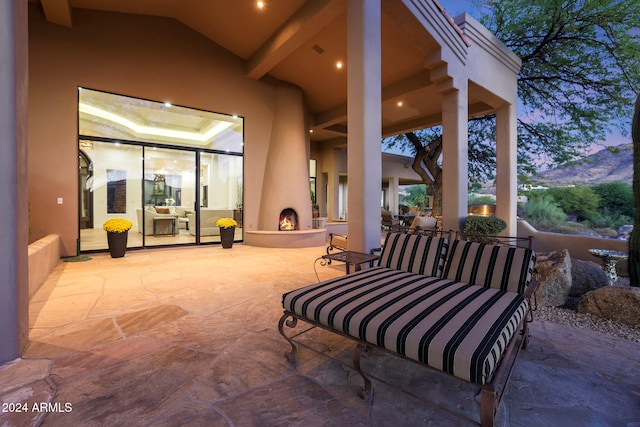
(578,246)
(44,255)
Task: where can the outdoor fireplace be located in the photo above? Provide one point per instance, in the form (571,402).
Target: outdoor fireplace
(288,220)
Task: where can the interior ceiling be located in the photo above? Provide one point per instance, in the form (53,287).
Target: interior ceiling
(300,42)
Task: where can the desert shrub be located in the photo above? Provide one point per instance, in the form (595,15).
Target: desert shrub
(581,202)
(544,213)
(616,206)
(616,196)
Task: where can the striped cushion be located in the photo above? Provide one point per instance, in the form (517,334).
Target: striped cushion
(414,253)
(502,267)
(454,327)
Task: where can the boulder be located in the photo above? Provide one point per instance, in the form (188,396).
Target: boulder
(586,276)
(553,271)
(625,229)
(620,304)
(624,232)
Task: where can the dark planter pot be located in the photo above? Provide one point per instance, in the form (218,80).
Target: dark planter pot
(226,236)
(117,244)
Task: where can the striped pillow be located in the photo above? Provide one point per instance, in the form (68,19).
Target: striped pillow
(501,267)
(414,253)
(454,327)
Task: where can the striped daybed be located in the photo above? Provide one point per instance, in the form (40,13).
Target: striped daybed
(456,308)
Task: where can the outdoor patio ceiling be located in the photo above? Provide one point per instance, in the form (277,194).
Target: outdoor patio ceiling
(300,42)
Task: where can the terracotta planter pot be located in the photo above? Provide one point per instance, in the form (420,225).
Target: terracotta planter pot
(226,236)
(117,244)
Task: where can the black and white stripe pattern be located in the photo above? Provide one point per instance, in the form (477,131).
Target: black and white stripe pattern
(414,253)
(502,267)
(454,327)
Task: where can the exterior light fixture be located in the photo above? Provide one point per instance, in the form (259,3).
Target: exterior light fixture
(400,104)
(167,104)
(339,65)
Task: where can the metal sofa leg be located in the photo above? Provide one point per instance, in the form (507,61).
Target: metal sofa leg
(291,323)
(357,354)
(487,405)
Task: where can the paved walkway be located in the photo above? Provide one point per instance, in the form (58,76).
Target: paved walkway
(189,337)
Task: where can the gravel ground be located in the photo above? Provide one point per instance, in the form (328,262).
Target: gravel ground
(567,315)
(587,321)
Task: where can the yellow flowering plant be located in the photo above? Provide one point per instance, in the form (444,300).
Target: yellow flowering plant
(226,223)
(117,225)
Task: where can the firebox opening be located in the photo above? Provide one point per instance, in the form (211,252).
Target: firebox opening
(288,220)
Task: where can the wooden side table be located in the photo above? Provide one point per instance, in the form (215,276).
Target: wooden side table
(172,225)
(351,258)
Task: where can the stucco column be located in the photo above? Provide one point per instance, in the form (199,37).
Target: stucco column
(393,194)
(455,156)
(507,167)
(364,162)
(334,184)
(14,317)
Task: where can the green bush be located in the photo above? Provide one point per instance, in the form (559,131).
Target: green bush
(543,213)
(581,202)
(616,206)
(483,225)
(617,197)
(474,199)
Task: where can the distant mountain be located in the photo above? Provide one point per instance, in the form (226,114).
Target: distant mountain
(608,165)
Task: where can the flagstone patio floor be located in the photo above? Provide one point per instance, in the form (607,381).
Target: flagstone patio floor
(188,336)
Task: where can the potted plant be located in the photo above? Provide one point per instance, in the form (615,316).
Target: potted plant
(117,232)
(227,231)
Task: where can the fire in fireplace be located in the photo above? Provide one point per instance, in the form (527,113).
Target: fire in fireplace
(288,220)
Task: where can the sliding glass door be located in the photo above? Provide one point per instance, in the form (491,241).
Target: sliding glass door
(220,193)
(110,187)
(169,195)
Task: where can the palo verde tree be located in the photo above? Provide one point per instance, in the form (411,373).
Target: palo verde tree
(577,81)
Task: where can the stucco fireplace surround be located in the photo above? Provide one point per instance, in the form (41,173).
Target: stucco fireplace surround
(288,151)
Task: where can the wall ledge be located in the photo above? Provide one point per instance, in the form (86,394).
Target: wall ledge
(44,255)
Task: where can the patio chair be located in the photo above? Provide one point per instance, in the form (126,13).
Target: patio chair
(423,224)
(388,221)
(337,241)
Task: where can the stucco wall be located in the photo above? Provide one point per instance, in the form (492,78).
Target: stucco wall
(578,246)
(140,56)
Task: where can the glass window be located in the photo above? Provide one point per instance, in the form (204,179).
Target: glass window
(172,171)
(109,115)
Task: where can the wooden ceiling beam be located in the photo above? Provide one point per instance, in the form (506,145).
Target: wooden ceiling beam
(312,17)
(57,11)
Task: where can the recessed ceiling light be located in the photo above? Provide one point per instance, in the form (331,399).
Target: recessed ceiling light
(310,130)
(260,4)
(339,65)
(167,104)
(400,104)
